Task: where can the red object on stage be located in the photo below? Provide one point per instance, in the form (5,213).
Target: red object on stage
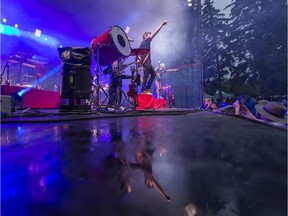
(146,101)
(35,98)
(110,46)
(159,103)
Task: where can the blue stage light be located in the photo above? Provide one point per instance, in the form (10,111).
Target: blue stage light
(17,99)
(9,30)
(20,93)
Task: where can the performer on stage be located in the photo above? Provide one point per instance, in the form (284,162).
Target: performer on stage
(146,59)
(115,87)
(160,70)
(112,71)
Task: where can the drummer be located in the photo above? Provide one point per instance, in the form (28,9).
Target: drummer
(115,72)
(146,59)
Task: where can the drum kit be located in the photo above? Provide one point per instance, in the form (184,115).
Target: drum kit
(114,46)
(108,48)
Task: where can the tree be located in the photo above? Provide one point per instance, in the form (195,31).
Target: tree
(258,42)
(215,56)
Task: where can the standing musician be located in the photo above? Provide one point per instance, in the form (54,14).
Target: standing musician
(146,59)
(160,70)
(113,71)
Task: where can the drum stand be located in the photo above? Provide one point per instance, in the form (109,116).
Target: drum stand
(121,92)
(125,97)
(95,100)
(97,85)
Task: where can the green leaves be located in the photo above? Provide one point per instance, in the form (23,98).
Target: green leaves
(248,47)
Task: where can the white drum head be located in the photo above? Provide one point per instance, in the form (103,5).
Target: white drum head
(120,41)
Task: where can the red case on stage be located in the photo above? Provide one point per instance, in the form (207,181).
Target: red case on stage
(146,101)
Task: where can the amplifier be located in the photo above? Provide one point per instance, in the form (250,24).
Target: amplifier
(6,105)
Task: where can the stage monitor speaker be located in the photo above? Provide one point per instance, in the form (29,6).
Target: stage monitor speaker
(76,78)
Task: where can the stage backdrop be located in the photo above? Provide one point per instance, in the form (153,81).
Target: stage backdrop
(186,85)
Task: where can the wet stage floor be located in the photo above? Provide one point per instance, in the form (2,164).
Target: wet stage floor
(169,163)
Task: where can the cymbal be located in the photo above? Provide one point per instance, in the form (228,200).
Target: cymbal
(139,51)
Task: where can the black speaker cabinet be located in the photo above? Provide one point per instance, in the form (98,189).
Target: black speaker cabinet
(76,78)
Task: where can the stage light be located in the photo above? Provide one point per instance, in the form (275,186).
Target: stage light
(9,30)
(60,46)
(189,0)
(16,25)
(20,93)
(47,40)
(37,33)
(189,4)
(17,99)
(4,20)
(48,74)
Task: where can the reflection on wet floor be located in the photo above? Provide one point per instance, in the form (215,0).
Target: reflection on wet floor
(204,163)
(143,162)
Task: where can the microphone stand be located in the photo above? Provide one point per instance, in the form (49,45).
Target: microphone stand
(98,86)
(137,81)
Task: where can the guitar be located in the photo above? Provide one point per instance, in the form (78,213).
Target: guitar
(131,90)
(119,68)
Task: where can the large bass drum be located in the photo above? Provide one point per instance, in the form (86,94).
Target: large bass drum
(110,46)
